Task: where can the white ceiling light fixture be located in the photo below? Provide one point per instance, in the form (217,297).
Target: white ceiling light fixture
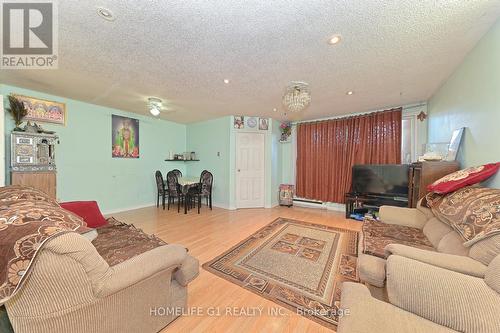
(297,96)
(275,109)
(226,81)
(105,14)
(335,39)
(350,92)
(154,105)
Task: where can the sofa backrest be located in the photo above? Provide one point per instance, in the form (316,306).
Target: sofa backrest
(447,240)
(492,276)
(67,272)
(441,235)
(486,249)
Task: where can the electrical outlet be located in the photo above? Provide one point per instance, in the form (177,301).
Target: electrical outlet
(218,154)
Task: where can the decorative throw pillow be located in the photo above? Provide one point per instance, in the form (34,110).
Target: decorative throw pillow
(87,210)
(462,178)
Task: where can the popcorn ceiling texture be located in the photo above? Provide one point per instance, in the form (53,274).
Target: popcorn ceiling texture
(392,53)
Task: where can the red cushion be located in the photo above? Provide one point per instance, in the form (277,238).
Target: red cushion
(87,210)
(462,178)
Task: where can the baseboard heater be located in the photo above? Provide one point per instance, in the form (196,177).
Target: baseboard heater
(308,201)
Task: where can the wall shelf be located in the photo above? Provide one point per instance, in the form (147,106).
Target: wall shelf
(181,160)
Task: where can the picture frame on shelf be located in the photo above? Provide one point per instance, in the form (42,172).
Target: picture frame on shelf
(239,122)
(455,142)
(263,124)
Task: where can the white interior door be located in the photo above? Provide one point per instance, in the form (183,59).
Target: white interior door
(250,170)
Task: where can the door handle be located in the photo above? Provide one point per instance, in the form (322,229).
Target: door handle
(239,170)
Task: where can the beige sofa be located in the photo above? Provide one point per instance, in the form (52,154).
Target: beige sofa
(425,298)
(72,289)
(445,248)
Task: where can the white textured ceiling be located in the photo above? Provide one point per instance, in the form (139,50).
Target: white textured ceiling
(392,53)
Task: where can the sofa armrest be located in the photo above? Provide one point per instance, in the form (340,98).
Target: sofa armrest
(458,301)
(189,270)
(141,267)
(410,217)
(460,264)
(363,313)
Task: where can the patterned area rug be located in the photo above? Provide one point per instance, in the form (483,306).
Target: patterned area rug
(296,264)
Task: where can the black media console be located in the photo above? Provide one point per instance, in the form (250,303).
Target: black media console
(356,203)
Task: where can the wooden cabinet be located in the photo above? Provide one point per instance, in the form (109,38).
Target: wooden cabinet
(44,181)
(423,174)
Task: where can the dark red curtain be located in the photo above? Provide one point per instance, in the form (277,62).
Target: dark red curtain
(327,150)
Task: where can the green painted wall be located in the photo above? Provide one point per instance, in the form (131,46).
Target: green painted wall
(207,138)
(86,170)
(288,161)
(276,162)
(471,98)
(210,140)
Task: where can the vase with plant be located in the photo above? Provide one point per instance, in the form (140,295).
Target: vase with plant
(17,110)
(286,131)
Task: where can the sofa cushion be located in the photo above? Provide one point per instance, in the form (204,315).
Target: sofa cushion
(473,212)
(486,249)
(371,270)
(492,276)
(462,178)
(88,210)
(422,207)
(435,230)
(117,242)
(17,193)
(377,235)
(452,243)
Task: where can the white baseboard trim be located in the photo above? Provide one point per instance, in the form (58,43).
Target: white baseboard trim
(120,210)
(222,205)
(328,206)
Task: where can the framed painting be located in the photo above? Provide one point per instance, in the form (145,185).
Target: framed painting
(456,140)
(43,111)
(125,137)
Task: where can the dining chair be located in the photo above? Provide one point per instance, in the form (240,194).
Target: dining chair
(160,186)
(177,172)
(173,190)
(204,189)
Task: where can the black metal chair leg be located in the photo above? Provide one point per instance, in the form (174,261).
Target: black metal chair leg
(158,200)
(210,199)
(199,203)
(163,201)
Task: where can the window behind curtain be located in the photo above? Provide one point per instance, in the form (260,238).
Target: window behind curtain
(327,150)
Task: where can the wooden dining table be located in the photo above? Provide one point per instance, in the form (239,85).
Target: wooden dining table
(186,183)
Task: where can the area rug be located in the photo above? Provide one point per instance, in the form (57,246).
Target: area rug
(296,264)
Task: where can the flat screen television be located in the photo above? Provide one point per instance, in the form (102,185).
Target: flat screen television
(381,179)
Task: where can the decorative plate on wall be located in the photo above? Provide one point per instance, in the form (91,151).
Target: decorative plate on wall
(252,122)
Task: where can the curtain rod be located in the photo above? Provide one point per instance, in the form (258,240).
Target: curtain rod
(405,107)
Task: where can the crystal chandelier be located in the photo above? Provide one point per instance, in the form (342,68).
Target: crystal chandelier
(297,96)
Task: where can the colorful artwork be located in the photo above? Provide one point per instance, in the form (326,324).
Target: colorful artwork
(40,110)
(125,138)
(239,122)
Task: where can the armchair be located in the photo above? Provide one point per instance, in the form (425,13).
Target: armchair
(72,289)
(425,298)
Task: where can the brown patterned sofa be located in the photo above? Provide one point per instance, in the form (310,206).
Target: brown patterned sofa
(122,281)
(419,234)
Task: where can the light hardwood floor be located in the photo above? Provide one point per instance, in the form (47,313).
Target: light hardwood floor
(210,234)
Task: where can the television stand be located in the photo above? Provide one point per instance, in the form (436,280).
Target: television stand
(358,201)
